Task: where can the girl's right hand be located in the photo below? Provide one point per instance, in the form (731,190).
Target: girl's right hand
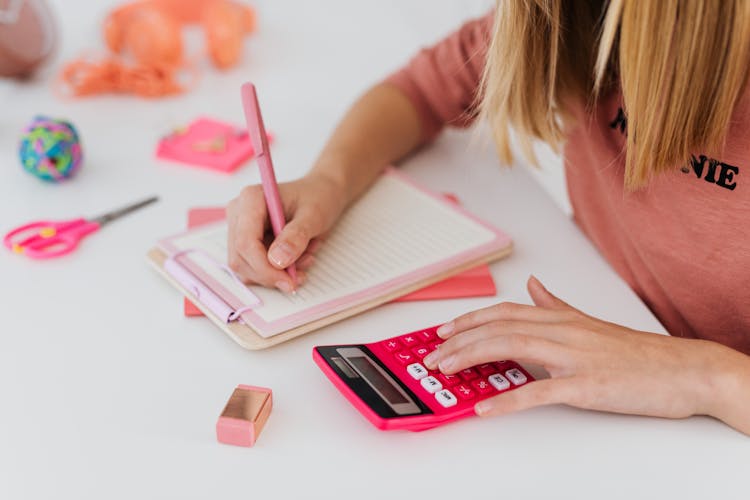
(312,205)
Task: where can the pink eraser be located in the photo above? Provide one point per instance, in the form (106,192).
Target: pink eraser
(244,415)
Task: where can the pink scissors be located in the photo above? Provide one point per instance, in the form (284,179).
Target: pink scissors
(47,239)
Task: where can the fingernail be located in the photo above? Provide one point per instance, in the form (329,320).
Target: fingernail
(284,286)
(281,255)
(482,408)
(445,329)
(447,363)
(429,360)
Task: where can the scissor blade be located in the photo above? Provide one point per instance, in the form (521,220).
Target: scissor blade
(116,214)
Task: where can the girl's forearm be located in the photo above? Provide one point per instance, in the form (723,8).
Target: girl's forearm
(379,129)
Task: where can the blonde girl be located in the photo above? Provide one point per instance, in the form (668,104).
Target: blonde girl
(648,101)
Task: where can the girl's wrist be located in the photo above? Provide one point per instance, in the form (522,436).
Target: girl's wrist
(348,173)
(728,384)
(332,185)
(332,175)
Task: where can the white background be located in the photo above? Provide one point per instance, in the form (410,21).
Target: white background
(108,392)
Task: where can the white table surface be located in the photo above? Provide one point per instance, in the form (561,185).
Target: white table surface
(107,391)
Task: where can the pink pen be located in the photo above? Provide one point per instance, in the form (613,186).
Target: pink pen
(257,133)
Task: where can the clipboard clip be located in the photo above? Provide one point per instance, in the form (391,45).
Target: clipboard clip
(201,293)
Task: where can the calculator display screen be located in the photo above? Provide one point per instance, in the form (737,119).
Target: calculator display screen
(378,381)
(369,380)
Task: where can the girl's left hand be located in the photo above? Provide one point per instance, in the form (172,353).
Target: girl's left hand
(593,364)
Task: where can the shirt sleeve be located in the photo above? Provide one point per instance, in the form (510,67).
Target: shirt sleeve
(442,81)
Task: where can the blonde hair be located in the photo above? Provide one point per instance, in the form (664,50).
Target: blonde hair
(681,66)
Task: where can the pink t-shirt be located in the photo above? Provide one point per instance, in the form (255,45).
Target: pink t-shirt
(682,243)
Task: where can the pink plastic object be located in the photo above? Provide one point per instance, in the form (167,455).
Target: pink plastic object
(198,290)
(469,386)
(244,415)
(257,133)
(47,239)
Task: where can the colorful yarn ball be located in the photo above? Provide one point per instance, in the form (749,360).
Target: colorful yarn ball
(50,149)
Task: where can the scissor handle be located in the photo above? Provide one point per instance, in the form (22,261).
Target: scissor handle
(47,239)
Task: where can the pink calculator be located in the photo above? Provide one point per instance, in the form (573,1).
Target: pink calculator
(387,382)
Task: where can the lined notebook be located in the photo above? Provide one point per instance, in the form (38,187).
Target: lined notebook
(395,239)
(476,282)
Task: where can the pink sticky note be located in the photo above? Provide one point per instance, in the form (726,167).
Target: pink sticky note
(207,143)
(476,282)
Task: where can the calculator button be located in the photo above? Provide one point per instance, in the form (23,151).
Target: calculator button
(435,345)
(426,335)
(499,382)
(421,351)
(516,376)
(446,398)
(391,345)
(409,340)
(481,385)
(449,380)
(468,374)
(404,357)
(486,369)
(431,384)
(417,371)
(464,391)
